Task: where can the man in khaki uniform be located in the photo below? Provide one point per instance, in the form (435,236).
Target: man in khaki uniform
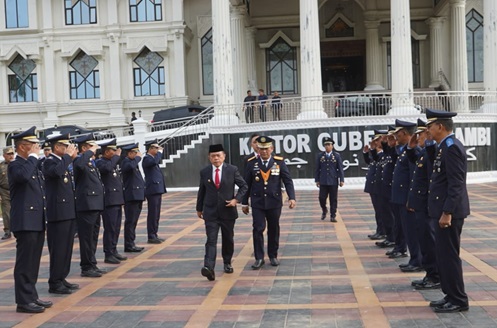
(8,155)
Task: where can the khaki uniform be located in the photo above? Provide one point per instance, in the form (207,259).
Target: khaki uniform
(5,196)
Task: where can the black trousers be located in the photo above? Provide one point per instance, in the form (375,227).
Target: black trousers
(249,114)
(228,245)
(398,230)
(262,113)
(88,223)
(60,240)
(426,236)
(332,193)
(380,229)
(410,229)
(132,211)
(259,219)
(112,217)
(153,215)
(387,217)
(29,246)
(448,243)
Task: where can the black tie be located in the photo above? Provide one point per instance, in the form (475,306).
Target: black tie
(265,163)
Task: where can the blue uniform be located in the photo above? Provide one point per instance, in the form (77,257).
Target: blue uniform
(328,173)
(369,187)
(384,189)
(155,186)
(134,195)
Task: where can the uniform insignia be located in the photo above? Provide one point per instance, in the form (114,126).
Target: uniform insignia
(449,142)
(278,158)
(251,158)
(263,139)
(257,179)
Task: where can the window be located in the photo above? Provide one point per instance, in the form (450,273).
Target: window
(16,13)
(79,12)
(23,84)
(145,10)
(416,64)
(84,81)
(474,46)
(281,68)
(149,76)
(207,64)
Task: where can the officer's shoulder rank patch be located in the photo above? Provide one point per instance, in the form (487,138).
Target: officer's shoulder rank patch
(278,158)
(251,158)
(449,142)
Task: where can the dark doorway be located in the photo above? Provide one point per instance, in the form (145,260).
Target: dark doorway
(343,74)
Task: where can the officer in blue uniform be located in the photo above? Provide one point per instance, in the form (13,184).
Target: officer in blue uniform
(27,214)
(89,204)
(155,186)
(448,204)
(61,212)
(113,200)
(264,176)
(328,176)
(134,195)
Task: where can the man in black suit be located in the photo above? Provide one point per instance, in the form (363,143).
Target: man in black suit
(448,203)
(89,204)
(61,212)
(27,214)
(155,186)
(216,205)
(264,176)
(113,200)
(134,195)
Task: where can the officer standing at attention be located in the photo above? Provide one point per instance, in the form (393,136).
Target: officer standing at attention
(155,186)
(328,176)
(216,205)
(89,204)
(27,220)
(8,156)
(112,214)
(448,204)
(264,176)
(134,195)
(61,212)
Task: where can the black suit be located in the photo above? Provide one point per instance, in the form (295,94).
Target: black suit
(134,195)
(61,217)
(155,186)
(27,214)
(212,203)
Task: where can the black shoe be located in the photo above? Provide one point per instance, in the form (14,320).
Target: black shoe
(333,218)
(60,290)
(450,308)
(45,304)
(258,264)
(90,273)
(101,271)
(385,243)
(323,215)
(377,237)
(228,268)
(411,268)
(69,285)
(419,281)
(154,241)
(388,253)
(111,259)
(7,235)
(396,255)
(161,239)
(134,249)
(274,261)
(30,308)
(371,235)
(429,284)
(403,265)
(120,257)
(438,303)
(208,273)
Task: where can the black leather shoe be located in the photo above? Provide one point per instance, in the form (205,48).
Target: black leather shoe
(208,273)
(438,303)
(154,241)
(389,252)
(161,239)
(101,271)
(7,235)
(258,264)
(111,259)
(384,244)
(403,265)
(60,290)
(274,261)
(30,308)
(418,281)
(45,304)
(377,237)
(428,284)
(120,257)
(90,273)
(411,268)
(133,249)
(333,218)
(69,285)
(396,255)
(228,268)
(450,308)
(323,215)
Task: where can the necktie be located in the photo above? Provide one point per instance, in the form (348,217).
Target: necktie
(216,179)
(265,163)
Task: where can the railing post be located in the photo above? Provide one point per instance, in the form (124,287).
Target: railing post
(140,130)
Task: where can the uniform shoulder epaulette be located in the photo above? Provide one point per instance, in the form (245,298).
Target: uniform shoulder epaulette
(449,142)
(251,158)
(278,158)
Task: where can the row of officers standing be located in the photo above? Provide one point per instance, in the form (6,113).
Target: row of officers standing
(417,183)
(70,192)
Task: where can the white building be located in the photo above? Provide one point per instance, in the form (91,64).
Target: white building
(93,62)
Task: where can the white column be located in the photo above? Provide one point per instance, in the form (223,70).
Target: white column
(459,69)
(373,57)
(112,15)
(239,52)
(223,68)
(179,51)
(490,55)
(251,59)
(435,24)
(402,84)
(47,69)
(310,62)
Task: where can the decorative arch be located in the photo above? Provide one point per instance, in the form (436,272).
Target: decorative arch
(360,3)
(275,37)
(339,27)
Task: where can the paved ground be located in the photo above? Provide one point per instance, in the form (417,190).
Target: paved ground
(331,275)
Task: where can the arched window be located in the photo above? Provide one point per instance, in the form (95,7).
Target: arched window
(281,68)
(207,64)
(149,77)
(145,10)
(84,80)
(81,12)
(474,44)
(23,84)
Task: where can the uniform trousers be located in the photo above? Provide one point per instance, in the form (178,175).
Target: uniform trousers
(132,210)
(260,217)
(5,203)
(426,236)
(326,191)
(386,214)
(153,215)
(60,240)
(448,243)
(380,229)
(228,245)
(398,232)
(88,223)
(29,246)
(111,217)
(410,230)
